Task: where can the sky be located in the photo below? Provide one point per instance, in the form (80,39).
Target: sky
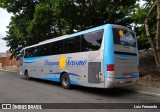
(4,21)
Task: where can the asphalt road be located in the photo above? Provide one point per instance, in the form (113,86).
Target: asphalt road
(15,89)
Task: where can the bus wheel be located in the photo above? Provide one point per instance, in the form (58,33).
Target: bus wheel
(65,81)
(26,75)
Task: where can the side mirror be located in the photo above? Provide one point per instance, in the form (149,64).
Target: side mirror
(18,56)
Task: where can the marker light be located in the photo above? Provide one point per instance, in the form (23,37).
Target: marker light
(110,67)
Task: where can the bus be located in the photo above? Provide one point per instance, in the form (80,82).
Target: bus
(102,57)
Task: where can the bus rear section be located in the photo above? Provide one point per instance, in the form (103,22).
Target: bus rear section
(123,70)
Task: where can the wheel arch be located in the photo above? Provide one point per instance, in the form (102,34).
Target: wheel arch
(26,70)
(62,74)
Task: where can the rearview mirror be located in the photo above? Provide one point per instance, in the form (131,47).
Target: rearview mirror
(18,56)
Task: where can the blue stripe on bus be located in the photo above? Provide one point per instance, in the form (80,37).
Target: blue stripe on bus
(29,61)
(51,79)
(132,75)
(55,73)
(73,74)
(61,72)
(58,80)
(32,59)
(108,47)
(75,83)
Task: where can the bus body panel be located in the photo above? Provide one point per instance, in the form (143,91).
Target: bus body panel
(86,68)
(48,68)
(124,60)
(108,48)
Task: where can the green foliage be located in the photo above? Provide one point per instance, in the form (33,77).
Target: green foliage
(142,39)
(139,16)
(40,26)
(37,20)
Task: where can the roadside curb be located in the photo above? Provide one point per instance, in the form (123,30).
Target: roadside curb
(8,71)
(144,90)
(147,93)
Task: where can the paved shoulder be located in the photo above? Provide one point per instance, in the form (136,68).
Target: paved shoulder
(144,90)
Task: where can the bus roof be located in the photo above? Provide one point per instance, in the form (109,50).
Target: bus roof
(72,35)
(66,36)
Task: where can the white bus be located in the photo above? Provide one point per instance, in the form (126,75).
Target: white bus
(102,57)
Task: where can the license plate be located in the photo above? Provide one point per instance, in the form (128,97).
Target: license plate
(127,75)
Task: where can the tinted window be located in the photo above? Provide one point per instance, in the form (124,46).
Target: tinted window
(87,42)
(38,51)
(22,53)
(52,48)
(26,53)
(45,49)
(41,50)
(91,41)
(33,51)
(72,45)
(57,47)
(77,44)
(124,37)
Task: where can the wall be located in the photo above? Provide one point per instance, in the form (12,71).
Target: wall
(3,55)
(6,61)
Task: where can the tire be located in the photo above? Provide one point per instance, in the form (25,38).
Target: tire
(65,81)
(26,75)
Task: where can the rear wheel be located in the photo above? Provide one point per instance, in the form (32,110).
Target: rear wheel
(26,75)
(65,81)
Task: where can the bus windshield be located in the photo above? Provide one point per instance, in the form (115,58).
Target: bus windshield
(124,37)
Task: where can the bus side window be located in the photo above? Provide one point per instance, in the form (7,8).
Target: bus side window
(52,50)
(58,47)
(26,53)
(77,43)
(83,44)
(71,44)
(66,47)
(91,41)
(46,50)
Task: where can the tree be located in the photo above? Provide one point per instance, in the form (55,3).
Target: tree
(37,20)
(139,16)
(148,19)
(23,11)
(156,48)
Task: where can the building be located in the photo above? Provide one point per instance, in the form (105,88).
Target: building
(6,61)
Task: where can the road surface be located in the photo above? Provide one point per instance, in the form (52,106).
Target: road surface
(15,89)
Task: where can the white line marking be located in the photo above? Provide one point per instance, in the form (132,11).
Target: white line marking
(149,93)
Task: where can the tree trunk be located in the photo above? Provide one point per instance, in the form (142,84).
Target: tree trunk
(156,49)
(150,39)
(158,29)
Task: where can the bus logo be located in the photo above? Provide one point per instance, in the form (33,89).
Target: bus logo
(62,62)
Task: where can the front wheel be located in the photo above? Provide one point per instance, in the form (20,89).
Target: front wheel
(26,75)
(65,81)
